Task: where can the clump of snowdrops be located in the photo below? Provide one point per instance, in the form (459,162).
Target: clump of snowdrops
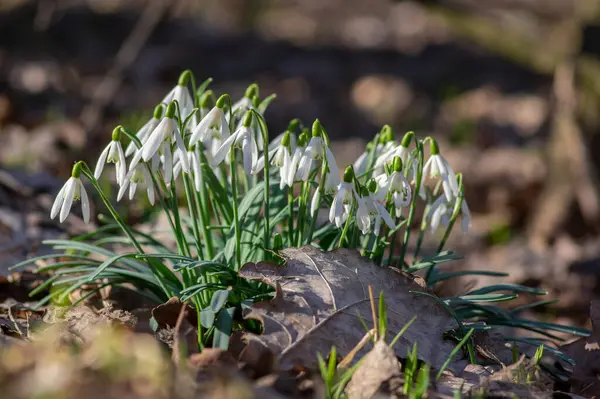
(232,193)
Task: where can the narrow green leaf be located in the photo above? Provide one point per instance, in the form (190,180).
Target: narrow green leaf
(218,300)
(223,327)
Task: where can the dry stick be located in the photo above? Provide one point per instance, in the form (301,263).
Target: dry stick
(107,89)
(373,313)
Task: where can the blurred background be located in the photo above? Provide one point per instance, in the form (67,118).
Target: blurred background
(511,88)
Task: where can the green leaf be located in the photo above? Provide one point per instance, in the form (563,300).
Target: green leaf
(207,318)
(252,197)
(508,287)
(223,327)
(264,104)
(218,300)
(453,353)
(203,86)
(445,276)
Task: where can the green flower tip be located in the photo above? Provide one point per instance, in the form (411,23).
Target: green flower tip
(247,119)
(76,172)
(116,133)
(433,147)
(251,91)
(408,137)
(348,175)
(207,99)
(317,128)
(221,101)
(303,139)
(397,164)
(255,101)
(387,134)
(293,125)
(184,78)
(285,141)
(158,111)
(372,186)
(170,110)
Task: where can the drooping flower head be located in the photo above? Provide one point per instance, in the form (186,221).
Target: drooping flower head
(313,152)
(213,126)
(113,153)
(396,186)
(243,138)
(181,94)
(343,200)
(160,140)
(72,190)
(145,130)
(437,167)
(247,102)
(370,208)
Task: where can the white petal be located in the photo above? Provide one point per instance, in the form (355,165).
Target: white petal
(69,195)
(132,188)
(155,140)
(85,202)
(387,218)
(185,163)
(168,162)
(60,197)
(225,132)
(101,162)
(122,190)
(120,166)
(223,150)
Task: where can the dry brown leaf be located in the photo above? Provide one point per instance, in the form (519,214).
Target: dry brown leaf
(320,296)
(378,366)
(586,373)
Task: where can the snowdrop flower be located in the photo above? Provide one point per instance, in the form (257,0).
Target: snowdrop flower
(145,130)
(292,168)
(181,94)
(178,163)
(292,126)
(245,103)
(242,137)
(72,190)
(138,174)
(437,166)
(370,208)
(314,151)
(402,151)
(160,141)
(441,211)
(213,126)
(343,200)
(113,153)
(396,186)
(332,178)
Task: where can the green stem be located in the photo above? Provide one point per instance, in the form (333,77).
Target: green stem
(193,214)
(290,197)
(346,227)
(413,204)
(265,136)
(321,188)
(236,221)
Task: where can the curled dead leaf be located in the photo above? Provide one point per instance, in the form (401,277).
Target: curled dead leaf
(321,297)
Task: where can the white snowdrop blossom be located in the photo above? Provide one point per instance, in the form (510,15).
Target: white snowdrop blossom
(244,104)
(440,214)
(160,141)
(72,190)
(244,138)
(313,152)
(145,130)
(332,178)
(213,126)
(437,166)
(181,94)
(396,186)
(343,199)
(138,174)
(113,153)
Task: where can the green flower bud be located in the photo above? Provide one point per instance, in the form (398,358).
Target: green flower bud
(76,172)
(364,191)
(433,147)
(247,119)
(348,174)
(316,128)
(293,125)
(285,141)
(158,111)
(221,101)
(406,140)
(207,99)
(171,110)
(387,134)
(303,139)
(251,91)
(184,78)
(397,164)
(255,101)
(372,186)
(116,133)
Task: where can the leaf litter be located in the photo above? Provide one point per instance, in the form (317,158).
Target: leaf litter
(322,296)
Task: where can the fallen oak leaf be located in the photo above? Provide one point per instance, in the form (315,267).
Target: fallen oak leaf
(320,297)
